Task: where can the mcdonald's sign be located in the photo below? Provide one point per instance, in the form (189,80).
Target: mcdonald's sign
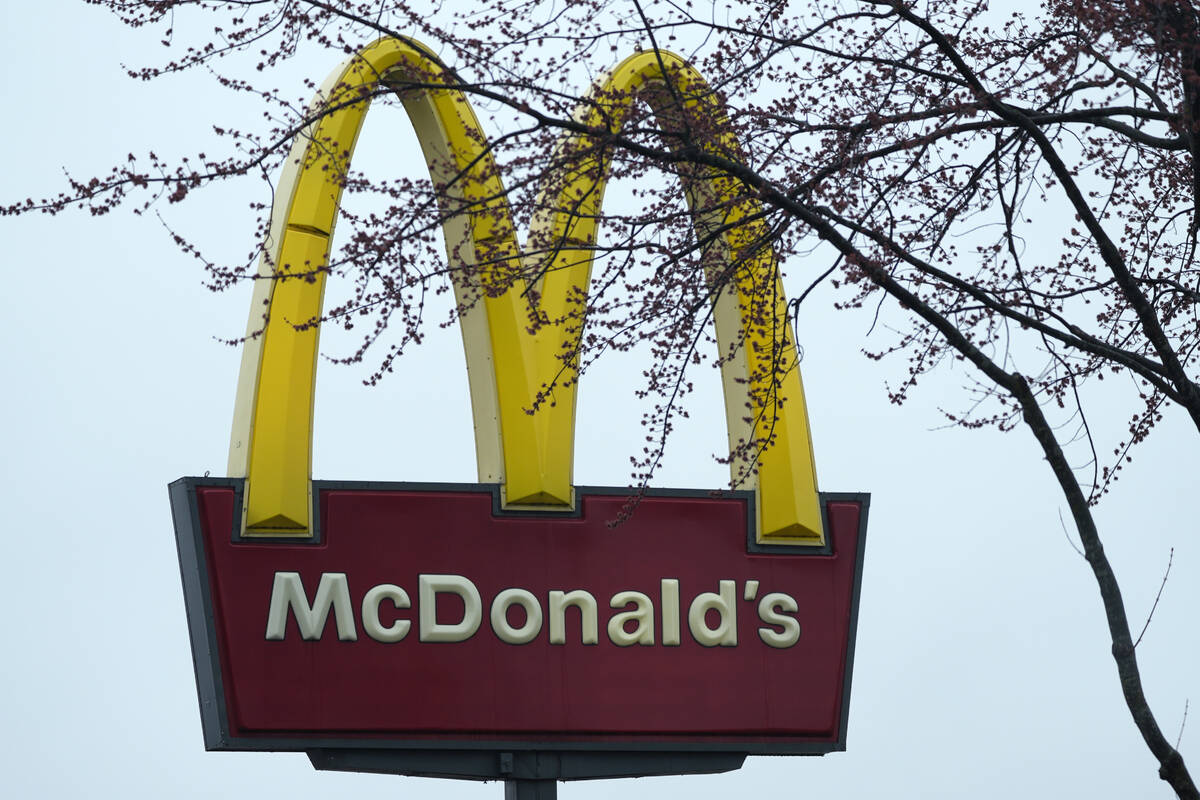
(442,629)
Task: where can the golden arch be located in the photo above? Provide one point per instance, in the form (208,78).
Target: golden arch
(530,455)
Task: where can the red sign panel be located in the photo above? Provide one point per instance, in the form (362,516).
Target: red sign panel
(425,617)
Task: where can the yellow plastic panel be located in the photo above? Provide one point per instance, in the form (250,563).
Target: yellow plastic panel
(520,356)
(761,374)
(272,436)
(536,433)
(277,497)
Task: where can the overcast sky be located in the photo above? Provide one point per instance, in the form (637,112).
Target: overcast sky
(982,667)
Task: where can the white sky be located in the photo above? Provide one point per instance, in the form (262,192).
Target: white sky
(982,667)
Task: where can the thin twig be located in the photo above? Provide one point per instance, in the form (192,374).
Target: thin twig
(1170,559)
(1067,534)
(1182,724)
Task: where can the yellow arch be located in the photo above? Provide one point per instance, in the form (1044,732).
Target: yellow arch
(509,368)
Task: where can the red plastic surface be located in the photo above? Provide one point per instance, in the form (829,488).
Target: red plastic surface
(486,689)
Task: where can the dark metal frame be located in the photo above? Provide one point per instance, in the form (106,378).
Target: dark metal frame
(525,764)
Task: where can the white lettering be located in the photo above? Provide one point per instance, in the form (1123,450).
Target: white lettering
(533,616)
(428,588)
(725,634)
(768,613)
(643,615)
(670,612)
(560,602)
(370,613)
(711,616)
(287,592)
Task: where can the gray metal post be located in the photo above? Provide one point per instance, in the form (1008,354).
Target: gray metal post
(525,789)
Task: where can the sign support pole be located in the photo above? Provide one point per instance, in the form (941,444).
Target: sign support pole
(526,789)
